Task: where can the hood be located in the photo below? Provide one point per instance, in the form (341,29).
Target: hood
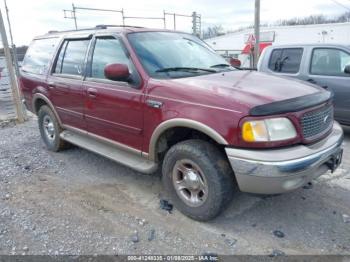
(249,89)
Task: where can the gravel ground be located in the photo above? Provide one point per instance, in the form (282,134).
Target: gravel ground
(76,202)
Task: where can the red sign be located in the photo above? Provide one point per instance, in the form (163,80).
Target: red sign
(248,48)
(251,40)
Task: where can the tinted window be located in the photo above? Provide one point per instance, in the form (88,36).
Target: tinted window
(286,60)
(38,57)
(72,57)
(328,61)
(108,51)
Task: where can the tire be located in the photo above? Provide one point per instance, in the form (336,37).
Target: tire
(50,129)
(208,177)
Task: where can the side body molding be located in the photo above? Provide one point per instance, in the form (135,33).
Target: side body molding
(43,97)
(181,122)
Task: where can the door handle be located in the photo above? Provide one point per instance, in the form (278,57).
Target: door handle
(51,85)
(310,80)
(92,92)
(153,103)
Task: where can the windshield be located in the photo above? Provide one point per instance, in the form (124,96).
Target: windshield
(174,55)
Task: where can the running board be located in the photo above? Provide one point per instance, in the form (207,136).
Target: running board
(129,159)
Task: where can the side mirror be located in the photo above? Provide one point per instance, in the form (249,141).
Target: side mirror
(347,69)
(117,72)
(235,62)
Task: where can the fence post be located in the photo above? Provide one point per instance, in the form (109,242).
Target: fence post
(14,85)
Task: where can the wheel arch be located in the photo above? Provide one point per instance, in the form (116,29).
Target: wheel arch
(39,100)
(181,123)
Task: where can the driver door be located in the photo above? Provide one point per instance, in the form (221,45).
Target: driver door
(113,109)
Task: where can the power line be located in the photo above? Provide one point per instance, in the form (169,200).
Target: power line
(196,18)
(340,4)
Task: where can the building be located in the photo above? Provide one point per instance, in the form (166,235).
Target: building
(238,44)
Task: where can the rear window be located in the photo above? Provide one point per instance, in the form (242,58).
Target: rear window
(38,57)
(286,60)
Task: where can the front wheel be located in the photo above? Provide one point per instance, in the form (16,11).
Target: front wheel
(198,178)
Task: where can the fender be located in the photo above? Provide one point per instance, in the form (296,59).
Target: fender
(182,122)
(48,102)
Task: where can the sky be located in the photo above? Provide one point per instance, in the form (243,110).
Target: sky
(30,18)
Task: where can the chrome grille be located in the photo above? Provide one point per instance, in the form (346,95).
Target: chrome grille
(317,122)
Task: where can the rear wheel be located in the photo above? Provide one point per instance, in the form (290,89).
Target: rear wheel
(198,178)
(50,129)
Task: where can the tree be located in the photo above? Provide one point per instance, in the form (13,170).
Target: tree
(314,19)
(213,31)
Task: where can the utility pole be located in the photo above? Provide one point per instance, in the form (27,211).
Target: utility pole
(14,51)
(71,14)
(74,17)
(196,24)
(257,32)
(13,81)
(196,21)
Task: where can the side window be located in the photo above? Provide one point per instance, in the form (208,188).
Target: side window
(108,50)
(286,60)
(71,57)
(58,67)
(38,57)
(274,59)
(329,61)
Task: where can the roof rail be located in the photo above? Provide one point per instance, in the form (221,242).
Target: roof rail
(92,28)
(106,26)
(72,30)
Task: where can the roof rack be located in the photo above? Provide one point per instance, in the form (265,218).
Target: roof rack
(72,30)
(106,26)
(92,28)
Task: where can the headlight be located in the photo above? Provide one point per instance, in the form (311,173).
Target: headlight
(273,129)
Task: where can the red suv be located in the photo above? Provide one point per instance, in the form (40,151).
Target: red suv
(157,99)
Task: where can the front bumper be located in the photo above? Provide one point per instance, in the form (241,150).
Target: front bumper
(274,171)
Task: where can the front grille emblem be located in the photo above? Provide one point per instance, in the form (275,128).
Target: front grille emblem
(325,119)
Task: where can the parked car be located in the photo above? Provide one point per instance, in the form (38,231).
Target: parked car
(158,99)
(322,64)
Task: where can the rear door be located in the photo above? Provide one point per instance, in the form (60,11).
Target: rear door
(327,70)
(114,109)
(66,82)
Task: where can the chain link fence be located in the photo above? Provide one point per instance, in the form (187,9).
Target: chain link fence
(7,106)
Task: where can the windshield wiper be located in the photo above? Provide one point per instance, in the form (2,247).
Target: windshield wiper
(220,65)
(186,69)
